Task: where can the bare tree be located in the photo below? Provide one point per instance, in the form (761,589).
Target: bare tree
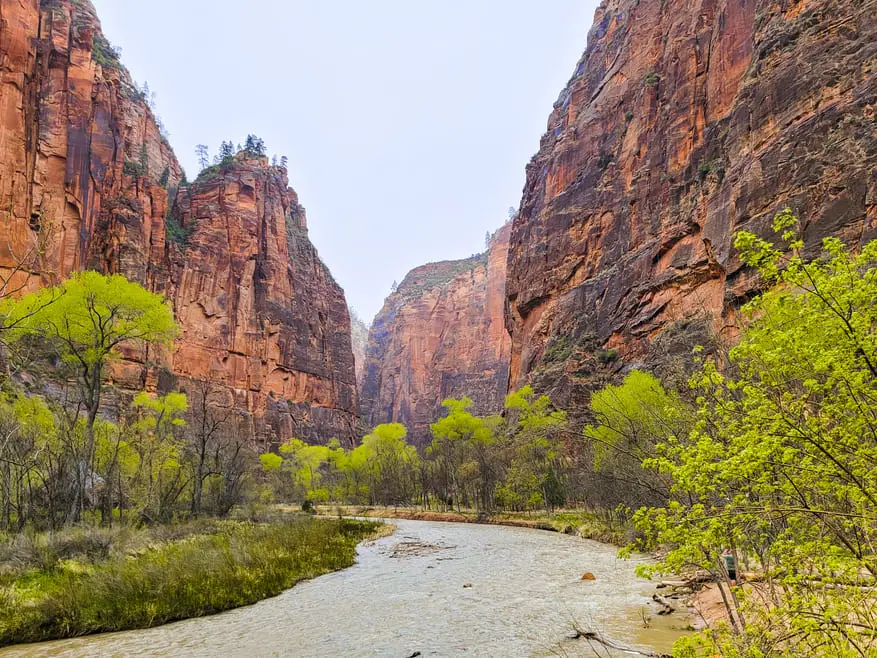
(206,433)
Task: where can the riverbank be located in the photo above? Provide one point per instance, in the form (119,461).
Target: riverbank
(443,589)
(85,581)
(579,523)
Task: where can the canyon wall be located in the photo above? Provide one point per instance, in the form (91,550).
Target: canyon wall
(258,310)
(359,343)
(440,334)
(684,122)
(86,179)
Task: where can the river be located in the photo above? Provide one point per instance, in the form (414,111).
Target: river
(443,589)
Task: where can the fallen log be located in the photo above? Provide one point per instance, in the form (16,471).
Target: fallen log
(666,607)
(606,642)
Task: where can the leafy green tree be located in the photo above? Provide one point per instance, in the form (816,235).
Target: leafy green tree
(630,419)
(779,467)
(537,431)
(460,438)
(33,466)
(86,321)
(160,476)
(391,464)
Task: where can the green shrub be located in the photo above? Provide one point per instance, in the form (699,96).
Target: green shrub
(607,356)
(131,168)
(104,53)
(176,233)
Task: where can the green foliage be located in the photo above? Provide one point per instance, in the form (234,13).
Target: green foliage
(437,275)
(131,168)
(778,462)
(607,356)
(83,323)
(89,316)
(104,53)
(210,173)
(254,146)
(176,233)
(558,350)
(652,79)
(716,167)
(231,565)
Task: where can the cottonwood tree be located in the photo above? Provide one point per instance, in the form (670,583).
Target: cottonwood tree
(84,322)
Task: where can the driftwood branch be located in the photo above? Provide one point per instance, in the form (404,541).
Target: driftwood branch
(591,636)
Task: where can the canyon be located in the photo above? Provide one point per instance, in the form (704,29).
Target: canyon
(441,334)
(88,180)
(682,124)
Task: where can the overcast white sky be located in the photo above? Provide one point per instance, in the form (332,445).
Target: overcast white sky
(407,123)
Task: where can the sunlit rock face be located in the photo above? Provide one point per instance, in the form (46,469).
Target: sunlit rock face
(683,123)
(441,334)
(83,159)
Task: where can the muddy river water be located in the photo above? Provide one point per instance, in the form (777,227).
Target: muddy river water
(441,589)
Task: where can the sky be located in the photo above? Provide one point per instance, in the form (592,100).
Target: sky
(407,123)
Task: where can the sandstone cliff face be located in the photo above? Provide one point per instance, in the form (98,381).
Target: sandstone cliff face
(359,343)
(258,310)
(683,123)
(84,167)
(440,334)
(69,126)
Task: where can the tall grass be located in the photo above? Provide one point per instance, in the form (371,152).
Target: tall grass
(237,564)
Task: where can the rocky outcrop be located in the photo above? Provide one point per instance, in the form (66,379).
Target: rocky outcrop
(86,179)
(359,343)
(81,153)
(683,123)
(440,334)
(258,310)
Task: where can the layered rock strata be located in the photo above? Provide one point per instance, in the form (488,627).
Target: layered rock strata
(683,123)
(440,334)
(87,180)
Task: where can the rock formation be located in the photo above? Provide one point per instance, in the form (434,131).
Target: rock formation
(258,310)
(359,342)
(86,173)
(440,334)
(683,123)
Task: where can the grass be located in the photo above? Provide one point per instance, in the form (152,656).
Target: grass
(96,581)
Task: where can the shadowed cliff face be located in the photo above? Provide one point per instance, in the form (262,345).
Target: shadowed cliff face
(82,156)
(257,308)
(441,334)
(683,123)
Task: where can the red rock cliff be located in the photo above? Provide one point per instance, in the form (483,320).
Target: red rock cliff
(69,126)
(440,334)
(82,156)
(684,122)
(258,310)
